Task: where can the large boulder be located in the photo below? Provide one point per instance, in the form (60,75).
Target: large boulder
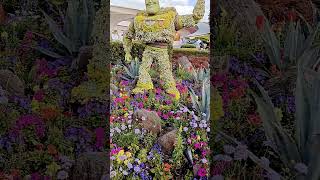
(168,141)
(148,120)
(93,165)
(11,83)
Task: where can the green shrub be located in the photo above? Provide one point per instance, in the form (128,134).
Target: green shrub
(188,46)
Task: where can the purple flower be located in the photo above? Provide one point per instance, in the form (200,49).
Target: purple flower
(62,175)
(35,176)
(301,168)
(136,169)
(129,165)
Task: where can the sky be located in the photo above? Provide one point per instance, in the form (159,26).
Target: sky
(182,6)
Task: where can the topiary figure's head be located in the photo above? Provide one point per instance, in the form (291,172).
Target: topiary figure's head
(152,6)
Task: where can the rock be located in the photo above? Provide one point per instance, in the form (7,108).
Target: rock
(3,96)
(185,63)
(167,141)
(11,83)
(148,120)
(93,165)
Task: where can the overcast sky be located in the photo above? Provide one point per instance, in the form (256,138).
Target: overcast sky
(182,6)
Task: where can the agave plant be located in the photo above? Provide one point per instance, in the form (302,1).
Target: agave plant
(305,146)
(77,27)
(202,106)
(132,70)
(200,75)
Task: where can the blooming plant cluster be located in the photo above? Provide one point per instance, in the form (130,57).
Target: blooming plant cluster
(137,152)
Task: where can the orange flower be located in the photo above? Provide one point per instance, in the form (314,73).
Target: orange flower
(48,113)
(167,167)
(52,149)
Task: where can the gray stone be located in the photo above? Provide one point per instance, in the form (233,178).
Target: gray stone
(148,120)
(184,62)
(11,83)
(92,165)
(168,141)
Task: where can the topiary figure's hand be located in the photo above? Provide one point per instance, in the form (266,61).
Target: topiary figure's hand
(128,58)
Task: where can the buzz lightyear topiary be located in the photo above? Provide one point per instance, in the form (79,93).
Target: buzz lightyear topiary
(156,28)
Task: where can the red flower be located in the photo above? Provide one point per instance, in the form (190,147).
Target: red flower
(67,114)
(260,22)
(40,147)
(292,16)
(254,119)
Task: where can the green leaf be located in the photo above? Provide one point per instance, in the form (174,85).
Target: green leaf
(58,34)
(285,145)
(47,52)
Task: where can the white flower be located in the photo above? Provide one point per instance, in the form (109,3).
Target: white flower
(208,129)
(137,131)
(123,127)
(201,125)
(204,161)
(117,129)
(111,134)
(125,173)
(143,118)
(129,121)
(205,125)
(185,129)
(111,131)
(113,173)
(129,126)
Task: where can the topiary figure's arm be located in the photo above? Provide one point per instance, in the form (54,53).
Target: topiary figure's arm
(127,42)
(191,20)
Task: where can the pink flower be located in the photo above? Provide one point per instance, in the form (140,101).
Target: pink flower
(202,172)
(158,90)
(119,100)
(204,153)
(39,95)
(99,137)
(165,116)
(197,145)
(115,151)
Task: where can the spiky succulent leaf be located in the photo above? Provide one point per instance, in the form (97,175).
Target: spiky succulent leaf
(58,34)
(285,145)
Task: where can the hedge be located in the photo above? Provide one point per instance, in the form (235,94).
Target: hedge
(188,46)
(137,51)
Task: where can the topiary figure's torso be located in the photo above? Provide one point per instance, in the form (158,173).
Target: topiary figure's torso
(156,28)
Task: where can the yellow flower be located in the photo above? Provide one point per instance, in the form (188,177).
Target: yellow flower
(118,160)
(126,115)
(198,137)
(126,162)
(121,152)
(128,154)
